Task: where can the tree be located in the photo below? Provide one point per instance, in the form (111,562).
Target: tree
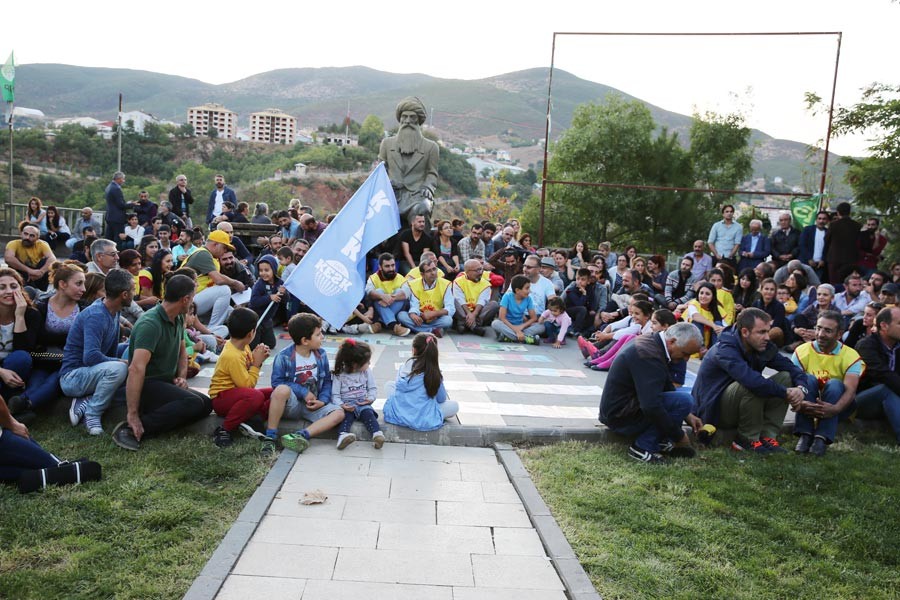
(720,151)
(212,132)
(371,132)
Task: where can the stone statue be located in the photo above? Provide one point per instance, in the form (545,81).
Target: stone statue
(411,161)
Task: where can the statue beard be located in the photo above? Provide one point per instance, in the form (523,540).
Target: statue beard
(408,138)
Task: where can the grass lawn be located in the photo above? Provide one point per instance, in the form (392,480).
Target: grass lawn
(144,531)
(728,526)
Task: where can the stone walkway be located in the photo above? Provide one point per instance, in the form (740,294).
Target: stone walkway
(404,522)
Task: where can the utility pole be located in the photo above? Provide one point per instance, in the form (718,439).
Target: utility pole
(9,205)
(119,164)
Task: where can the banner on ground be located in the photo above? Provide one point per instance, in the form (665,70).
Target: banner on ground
(331,278)
(804,210)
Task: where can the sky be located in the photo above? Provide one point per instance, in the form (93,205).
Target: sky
(764,78)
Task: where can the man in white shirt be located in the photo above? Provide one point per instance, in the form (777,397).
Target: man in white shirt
(541,287)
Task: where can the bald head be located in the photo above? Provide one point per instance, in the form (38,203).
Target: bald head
(226,227)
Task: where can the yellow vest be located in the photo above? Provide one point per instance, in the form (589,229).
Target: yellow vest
(387,286)
(825,367)
(472,290)
(432,299)
(416,274)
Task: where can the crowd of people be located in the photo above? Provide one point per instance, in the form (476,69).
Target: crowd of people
(135,313)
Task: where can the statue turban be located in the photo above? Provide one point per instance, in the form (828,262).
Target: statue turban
(411,103)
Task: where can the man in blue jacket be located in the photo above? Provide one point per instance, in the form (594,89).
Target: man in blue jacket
(731,391)
(755,247)
(217,198)
(115,207)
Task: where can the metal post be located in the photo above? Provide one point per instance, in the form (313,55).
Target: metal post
(9,206)
(546,141)
(119,164)
(837,60)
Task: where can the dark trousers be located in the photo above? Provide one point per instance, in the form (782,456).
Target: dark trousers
(112,231)
(578,314)
(18,454)
(165,406)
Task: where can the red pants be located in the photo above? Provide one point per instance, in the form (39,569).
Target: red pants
(239,404)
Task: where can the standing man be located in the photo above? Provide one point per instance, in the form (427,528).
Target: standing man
(755,247)
(310,229)
(832,373)
(213,293)
(156,392)
(115,207)
(472,299)
(725,237)
(413,242)
(217,198)
(431,306)
(812,244)
(411,161)
(145,209)
(639,398)
(472,244)
(871,245)
(702,262)
(841,251)
(879,394)
(731,391)
(785,241)
(30,256)
(385,289)
(91,371)
(181,198)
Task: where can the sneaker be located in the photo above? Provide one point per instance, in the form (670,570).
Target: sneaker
(209,356)
(401,331)
(364,328)
(819,447)
(18,405)
(742,444)
(248,431)
(93,425)
(587,348)
(503,338)
(773,445)
(76,410)
(438,332)
(804,443)
(345,439)
(295,441)
(478,330)
(123,437)
(376,327)
(533,340)
(378,439)
(672,451)
(267,447)
(222,438)
(645,457)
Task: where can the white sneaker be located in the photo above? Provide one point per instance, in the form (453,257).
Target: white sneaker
(378,439)
(365,328)
(209,356)
(345,439)
(351,329)
(249,432)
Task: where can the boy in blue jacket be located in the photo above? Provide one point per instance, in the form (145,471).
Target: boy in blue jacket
(302,381)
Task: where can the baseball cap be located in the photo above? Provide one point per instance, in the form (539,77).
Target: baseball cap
(891,289)
(548,262)
(222,238)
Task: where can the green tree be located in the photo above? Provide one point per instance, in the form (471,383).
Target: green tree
(720,151)
(212,132)
(371,133)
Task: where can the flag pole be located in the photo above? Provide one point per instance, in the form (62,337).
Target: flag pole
(9,206)
(120,134)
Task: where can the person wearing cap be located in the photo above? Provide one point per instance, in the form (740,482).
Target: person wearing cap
(548,270)
(888,295)
(213,288)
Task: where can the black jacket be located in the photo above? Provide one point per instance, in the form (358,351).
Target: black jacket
(876,357)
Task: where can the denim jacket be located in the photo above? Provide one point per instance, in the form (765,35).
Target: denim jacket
(284,371)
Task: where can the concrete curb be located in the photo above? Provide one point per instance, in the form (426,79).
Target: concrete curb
(219,565)
(578,584)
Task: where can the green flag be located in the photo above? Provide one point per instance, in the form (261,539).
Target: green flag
(8,79)
(804,210)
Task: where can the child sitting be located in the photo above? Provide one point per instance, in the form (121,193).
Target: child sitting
(266,290)
(233,385)
(641,322)
(556,321)
(517,320)
(783,295)
(302,380)
(354,389)
(133,234)
(418,399)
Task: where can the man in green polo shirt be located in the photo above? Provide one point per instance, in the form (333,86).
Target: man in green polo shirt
(156,390)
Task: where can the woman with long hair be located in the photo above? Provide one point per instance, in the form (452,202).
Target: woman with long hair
(36,215)
(418,399)
(639,264)
(148,248)
(656,267)
(745,292)
(163,263)
(802,293)
(58,231)
(616,273)
(704,311)
(525,242)
(447,249)
(579,255)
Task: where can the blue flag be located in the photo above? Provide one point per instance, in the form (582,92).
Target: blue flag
(331,278)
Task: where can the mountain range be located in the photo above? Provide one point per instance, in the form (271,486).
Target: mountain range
(465,111)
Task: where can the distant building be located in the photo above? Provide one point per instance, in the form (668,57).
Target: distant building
(273,127)
(503,155)
(139,120)
(338,139)
(83,121)
(202,118)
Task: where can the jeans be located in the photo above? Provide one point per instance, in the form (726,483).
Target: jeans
(443,322)
(20,362)
(18,454)
(677,405)
(216,300)
(879,401)
(165,406)
(388,314)
(99,382)
(503,329)
(827,428)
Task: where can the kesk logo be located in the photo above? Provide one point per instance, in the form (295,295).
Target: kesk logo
(332,277)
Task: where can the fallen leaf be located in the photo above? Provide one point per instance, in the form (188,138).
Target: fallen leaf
(314,497)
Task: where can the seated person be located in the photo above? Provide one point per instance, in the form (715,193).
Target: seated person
(418,399)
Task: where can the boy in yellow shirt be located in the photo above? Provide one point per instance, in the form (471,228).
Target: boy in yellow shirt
(233,385)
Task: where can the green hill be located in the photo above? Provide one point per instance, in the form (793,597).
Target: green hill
(463,110)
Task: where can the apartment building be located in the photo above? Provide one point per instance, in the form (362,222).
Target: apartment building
(273,127)
(202,118)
